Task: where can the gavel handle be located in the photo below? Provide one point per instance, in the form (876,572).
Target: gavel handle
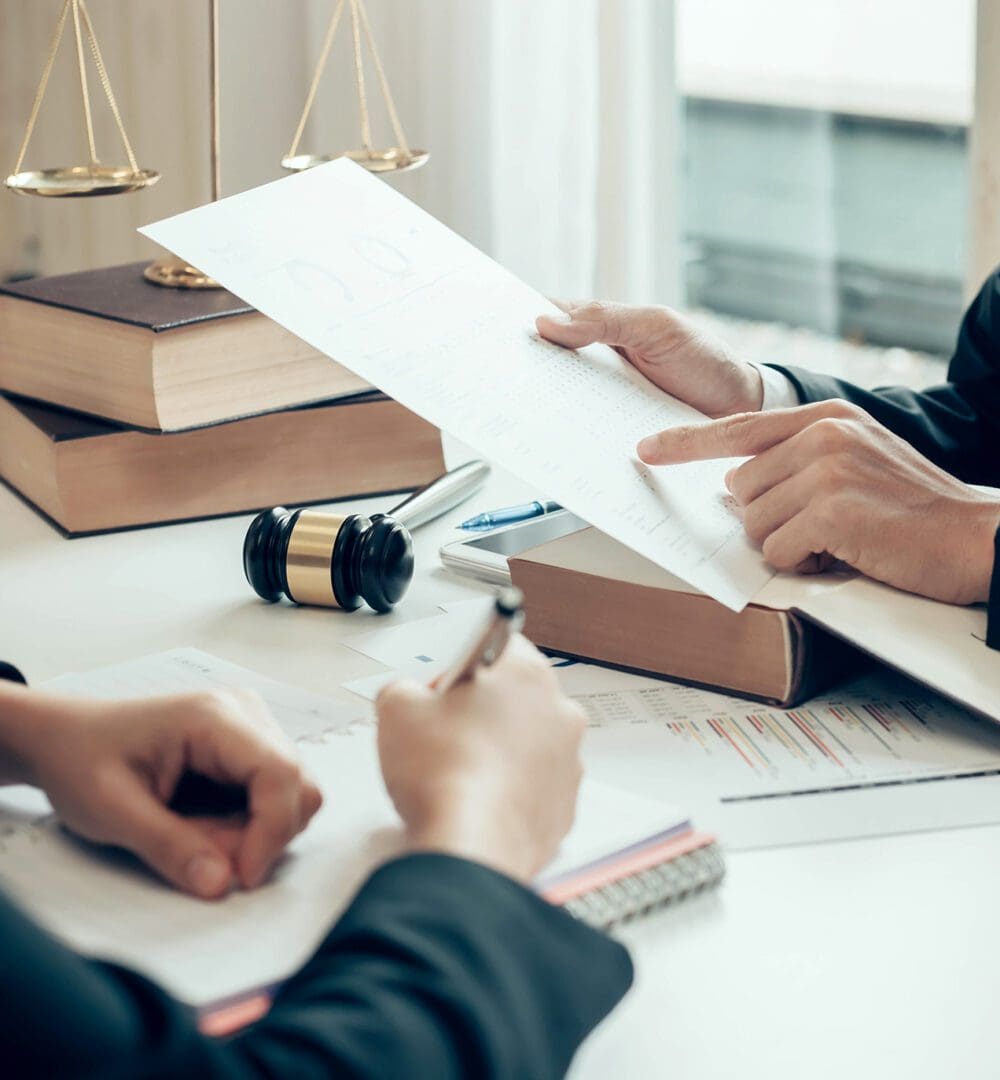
(441,495)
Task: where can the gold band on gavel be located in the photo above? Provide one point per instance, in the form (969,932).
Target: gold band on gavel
(309,559)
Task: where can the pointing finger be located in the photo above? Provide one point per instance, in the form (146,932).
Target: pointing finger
(740,435)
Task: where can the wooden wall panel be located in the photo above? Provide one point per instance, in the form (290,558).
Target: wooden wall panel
(157,57)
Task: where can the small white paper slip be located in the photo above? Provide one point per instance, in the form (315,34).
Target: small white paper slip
(475,603)
(369,686)
(302,714)
(438,639)
(362,274)
(420,649)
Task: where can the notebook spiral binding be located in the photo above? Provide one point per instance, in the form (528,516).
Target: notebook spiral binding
(657,887)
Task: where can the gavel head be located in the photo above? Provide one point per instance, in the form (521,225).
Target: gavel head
(332,560)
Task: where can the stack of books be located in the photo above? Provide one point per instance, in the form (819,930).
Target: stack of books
(126,404)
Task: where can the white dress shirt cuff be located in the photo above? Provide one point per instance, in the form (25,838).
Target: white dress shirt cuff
(779,390)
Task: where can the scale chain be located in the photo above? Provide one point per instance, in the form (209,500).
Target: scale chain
(366,130)
(88,119)
(106,84)
(43,84)
(320,68)
(390,105)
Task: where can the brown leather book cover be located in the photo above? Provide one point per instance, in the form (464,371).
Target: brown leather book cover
(86,475)
(109,343)
(122,294)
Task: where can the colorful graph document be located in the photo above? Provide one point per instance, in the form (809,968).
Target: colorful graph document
(881,754)
(351,266)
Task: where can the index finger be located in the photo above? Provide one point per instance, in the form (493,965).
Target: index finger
(740,435)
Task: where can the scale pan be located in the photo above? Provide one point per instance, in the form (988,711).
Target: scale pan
(394,159)
(80,180)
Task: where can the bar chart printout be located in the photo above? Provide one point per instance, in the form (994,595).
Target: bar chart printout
(878,731)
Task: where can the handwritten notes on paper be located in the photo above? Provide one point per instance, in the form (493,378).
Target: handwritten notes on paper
(365,276)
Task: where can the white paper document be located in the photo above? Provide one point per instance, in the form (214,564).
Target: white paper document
(435,640)
(106,903)
(304,715)
(878,755)
(422,648)
(365,276)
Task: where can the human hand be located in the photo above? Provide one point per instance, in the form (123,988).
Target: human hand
(667,349)
(110,769)
(488,770)
(828,483)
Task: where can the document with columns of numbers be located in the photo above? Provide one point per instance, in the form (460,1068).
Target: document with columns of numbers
(364,275)
(875,756)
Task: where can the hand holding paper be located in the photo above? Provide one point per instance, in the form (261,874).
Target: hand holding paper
(362,274)
(672,353)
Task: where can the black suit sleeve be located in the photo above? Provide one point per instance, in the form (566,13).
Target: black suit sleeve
(956,425)
(993,609)
(440,968)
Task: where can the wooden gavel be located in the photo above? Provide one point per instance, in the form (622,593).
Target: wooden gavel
(345,560)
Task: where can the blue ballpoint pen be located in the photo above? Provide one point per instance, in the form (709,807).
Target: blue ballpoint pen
(507,515)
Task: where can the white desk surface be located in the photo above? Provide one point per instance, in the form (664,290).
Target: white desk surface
(871,958)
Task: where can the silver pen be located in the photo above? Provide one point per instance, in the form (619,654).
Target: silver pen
(506,618)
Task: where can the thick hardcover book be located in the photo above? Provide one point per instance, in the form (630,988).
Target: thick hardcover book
(587,596)
(91,476)
(109,343)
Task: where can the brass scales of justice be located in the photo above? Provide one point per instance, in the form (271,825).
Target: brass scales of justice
(96,178)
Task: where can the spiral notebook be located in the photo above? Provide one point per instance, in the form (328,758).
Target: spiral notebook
(624,856)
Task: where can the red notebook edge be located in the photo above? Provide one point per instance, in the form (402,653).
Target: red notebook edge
(226,1017)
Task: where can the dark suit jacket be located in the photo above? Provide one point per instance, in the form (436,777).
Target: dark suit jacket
(440,968)
(956,425)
